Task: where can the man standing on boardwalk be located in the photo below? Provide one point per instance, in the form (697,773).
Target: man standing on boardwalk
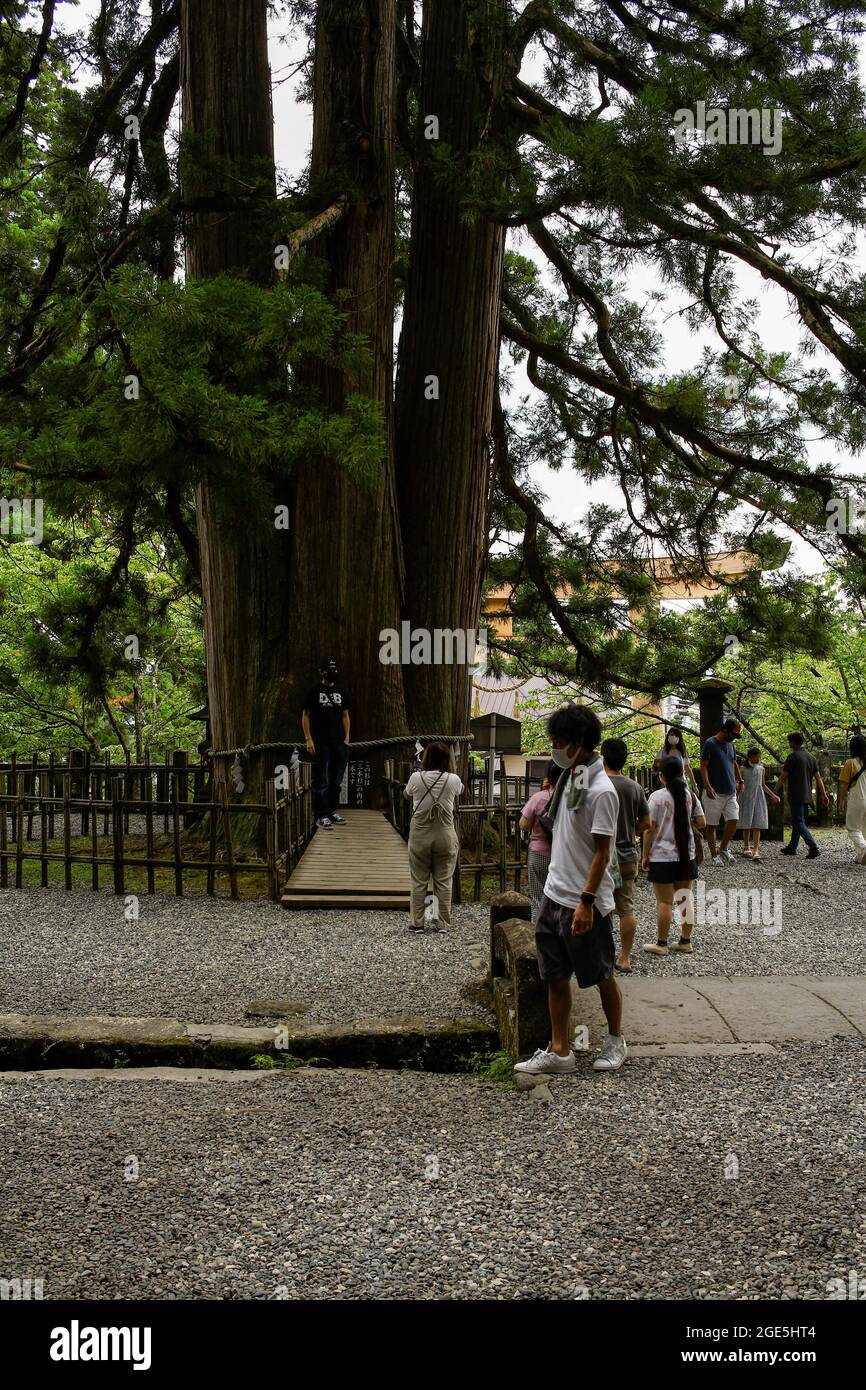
(722,780)
(325,721)
(799,770)
(574,931)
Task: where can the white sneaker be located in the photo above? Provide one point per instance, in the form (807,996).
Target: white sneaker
(545,1060)
(719,862)
(324,823)
(613,1054)
(729,855)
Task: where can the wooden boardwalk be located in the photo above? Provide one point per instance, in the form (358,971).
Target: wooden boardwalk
(364,863)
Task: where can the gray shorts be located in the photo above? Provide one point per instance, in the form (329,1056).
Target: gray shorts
(589,957)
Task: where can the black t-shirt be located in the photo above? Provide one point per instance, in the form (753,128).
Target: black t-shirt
(801,767)
(325,704)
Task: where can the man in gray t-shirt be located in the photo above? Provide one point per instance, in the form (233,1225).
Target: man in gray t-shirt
(633,819)
(798,771)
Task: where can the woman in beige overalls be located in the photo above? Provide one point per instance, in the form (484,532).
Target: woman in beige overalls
(433,843)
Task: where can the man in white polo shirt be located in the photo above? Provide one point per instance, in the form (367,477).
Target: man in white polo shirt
(574,931)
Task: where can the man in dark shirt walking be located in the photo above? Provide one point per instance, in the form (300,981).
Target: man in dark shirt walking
(325,720)
(799,769)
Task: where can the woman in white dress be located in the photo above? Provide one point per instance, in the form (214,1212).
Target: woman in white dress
(753,804)
(852,795)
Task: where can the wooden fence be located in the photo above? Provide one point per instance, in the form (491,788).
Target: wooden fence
(116,811)
(162,818)
(492,849)
(491,845)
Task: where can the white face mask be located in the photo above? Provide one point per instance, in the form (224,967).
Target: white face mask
(561,758)
(673,740)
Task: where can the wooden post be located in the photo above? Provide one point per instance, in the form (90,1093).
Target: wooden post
(117,833)
(503,845)
(51,794)
(13,787)
(67,831)
(75,764)
(180,763)
(230,849)
(4,841)
(272,838)
(32,793)
(43,834)
(148,823)
(86,791)
(127,793)
(389,783)
(94,830)
(19,831)
(211,850)
(175,830)
(107,797)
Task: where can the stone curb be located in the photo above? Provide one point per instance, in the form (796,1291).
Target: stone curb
(35,1041)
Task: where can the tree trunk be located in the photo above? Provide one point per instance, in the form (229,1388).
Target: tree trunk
(345,572)
(451,333)
(227,121)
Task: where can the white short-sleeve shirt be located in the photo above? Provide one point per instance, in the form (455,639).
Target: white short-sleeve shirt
(573,850)
(661,808)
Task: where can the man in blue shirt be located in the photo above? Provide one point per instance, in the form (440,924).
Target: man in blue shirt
(722,780)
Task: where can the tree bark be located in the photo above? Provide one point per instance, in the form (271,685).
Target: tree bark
(228,127)
(450,332)
(346,555)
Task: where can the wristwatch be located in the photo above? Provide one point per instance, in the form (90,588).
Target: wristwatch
(588,899)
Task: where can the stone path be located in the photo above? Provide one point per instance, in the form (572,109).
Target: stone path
(725,1009)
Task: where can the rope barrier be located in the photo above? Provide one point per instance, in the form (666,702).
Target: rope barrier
(251,748)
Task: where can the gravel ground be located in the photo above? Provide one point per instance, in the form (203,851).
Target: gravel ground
(813,919)
(324,1184)
(205,960)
